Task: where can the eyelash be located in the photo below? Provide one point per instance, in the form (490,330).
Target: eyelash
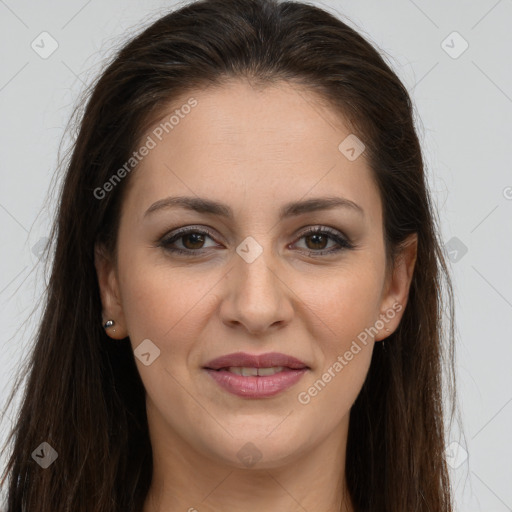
(167,240)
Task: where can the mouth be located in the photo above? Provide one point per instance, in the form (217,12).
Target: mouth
(256,376)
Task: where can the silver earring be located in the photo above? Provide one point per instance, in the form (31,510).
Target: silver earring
(108,323)
(386,329)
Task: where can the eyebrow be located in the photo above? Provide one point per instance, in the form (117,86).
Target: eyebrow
(208,206)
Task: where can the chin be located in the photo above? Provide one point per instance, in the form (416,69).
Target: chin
(259,451)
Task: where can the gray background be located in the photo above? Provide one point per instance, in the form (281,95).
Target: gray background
(464,106)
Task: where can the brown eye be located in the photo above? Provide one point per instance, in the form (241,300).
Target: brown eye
(193,240)
(316,241)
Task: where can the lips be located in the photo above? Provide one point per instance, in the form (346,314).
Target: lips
(256,376)
(268,360)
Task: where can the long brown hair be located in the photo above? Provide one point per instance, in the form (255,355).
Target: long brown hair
(84,396)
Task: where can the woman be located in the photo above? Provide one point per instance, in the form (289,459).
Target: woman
(245,306)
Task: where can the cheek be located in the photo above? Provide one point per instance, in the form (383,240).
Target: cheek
(347,309)
(345,302)
(168,306)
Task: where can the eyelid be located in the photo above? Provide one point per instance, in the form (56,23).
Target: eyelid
(334,234)
(323,228)
(200,227)
(177,233)
(343,242)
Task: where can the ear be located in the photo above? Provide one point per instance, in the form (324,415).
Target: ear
(396,290)
(109,292)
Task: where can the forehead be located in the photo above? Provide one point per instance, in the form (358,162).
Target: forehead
(243,119)
(241,144)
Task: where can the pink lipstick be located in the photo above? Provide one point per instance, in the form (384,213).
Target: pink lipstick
(256,376)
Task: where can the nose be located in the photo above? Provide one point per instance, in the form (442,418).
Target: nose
(257,297)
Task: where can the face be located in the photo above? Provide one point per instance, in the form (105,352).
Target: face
(201,282)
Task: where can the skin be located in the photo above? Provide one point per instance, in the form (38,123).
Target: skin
(254,150)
